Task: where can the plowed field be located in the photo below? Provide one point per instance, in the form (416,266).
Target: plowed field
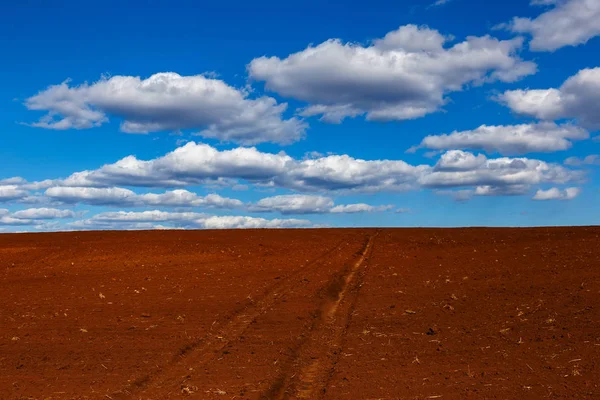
(315,314)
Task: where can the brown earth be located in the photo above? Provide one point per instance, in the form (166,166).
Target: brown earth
(278,314)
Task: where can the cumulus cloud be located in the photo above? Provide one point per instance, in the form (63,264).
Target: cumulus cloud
(115,196)
(11,192)
(15,180)
(167,101)
(294,204)
(90,195)
(146,216)
(12,221)
(183,198)
(499,176)
(309,204)
(359,208)
(200,163)
(592,159)
(32,216)
(244,222)
(508,139)
(557,194)
(405,75)
(568,23)
(17,189)
(577,99)
(197,163)
(157,219)
(44,213)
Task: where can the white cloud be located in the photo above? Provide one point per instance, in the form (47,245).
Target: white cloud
(439,3)
(509,139)
(309,204)
(183,198)
(569,23)
(12,221)
(115,196)
(146,216)
(32,216)
(17,189)
(577,99)
(43,213)
(405,75)
(15,180)
(37,185)
(456,160)
(168,101)
(156,219)
(11,192)
(131,220)
(359,208)
(243,222)
(502,190)
(89,224)
(202,164)
(592,159)
(557,194)
(90,195)
(294,204)
(499,176)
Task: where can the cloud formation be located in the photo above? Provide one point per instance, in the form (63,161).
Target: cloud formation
(576,99)
(405,75)
(508,139)
(499,176)
(11,192)
(196,163)
(310,204)
(592,159)
(120,197)
(244,222)
(33,216)
(359,208)
(438,3)
(557,194)
(156,219)
(568,23)
(294,204)
(44,213)
(168,102)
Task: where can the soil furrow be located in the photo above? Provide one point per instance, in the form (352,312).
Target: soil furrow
(311,365)
(201,351)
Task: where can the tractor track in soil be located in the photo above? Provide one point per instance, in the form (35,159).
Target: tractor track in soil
(204,349)
(308,370)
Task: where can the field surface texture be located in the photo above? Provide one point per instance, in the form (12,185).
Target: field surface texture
(313,314)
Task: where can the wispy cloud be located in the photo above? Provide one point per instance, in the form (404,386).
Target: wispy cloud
(438,3)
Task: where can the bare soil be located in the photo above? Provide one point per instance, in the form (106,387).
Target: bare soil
(315,314)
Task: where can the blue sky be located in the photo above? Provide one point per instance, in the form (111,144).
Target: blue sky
(179,114)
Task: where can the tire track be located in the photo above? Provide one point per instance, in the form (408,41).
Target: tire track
(311,366)
(204,349)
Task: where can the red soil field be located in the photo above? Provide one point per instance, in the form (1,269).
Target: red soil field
(316,314)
